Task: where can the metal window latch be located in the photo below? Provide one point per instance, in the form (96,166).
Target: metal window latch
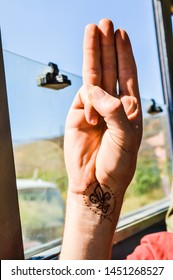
(154,109)
(51,78)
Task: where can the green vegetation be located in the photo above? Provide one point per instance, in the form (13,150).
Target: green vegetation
(153,166)
(42,160)
(147,175)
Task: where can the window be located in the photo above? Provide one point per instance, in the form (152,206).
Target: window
(152,180)
(37,117)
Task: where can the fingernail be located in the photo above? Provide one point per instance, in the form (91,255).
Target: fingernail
(94,120)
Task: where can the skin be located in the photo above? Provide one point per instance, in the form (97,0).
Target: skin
(102,137)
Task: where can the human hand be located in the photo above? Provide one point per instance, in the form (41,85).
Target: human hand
(104,127)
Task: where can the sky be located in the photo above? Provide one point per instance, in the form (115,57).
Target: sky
(53,31)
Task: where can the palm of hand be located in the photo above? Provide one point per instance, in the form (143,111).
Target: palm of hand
(98,152)
(107,149)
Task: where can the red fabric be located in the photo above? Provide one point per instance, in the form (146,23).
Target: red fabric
(155,246)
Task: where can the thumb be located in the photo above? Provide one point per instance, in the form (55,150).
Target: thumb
(109,107)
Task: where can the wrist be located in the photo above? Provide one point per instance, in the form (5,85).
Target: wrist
(88,229)
(96,201)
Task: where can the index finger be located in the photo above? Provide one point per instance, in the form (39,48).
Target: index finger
(91,56)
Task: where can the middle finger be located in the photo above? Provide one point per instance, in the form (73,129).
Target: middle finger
(108,56)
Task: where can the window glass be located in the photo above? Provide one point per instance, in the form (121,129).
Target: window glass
(152,180)
(37,117)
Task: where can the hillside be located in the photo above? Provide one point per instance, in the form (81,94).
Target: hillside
(42,159)
(45,159)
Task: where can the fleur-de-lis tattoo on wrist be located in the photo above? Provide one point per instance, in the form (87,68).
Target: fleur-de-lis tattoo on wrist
(101,200)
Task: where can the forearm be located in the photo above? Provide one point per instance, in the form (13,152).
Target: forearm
(88,230)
